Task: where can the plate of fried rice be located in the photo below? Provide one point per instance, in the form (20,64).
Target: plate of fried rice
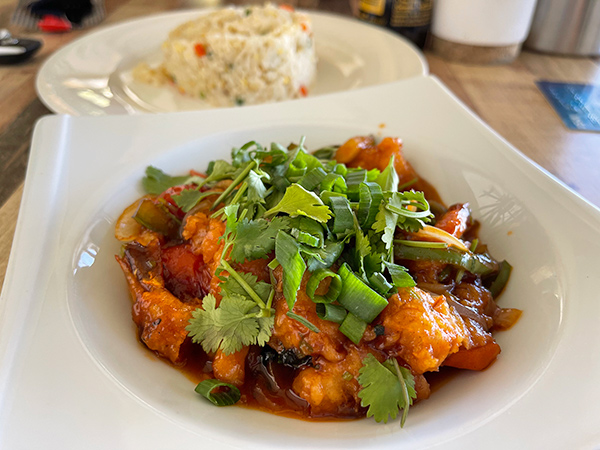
(215,58)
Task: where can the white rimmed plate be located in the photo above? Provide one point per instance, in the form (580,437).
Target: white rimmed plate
(93,75)
(72,373)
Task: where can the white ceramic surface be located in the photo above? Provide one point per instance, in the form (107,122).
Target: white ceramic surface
(92,76)
(73,375)
(482,22)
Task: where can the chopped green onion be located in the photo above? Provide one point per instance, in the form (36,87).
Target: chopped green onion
(303,321)
(334,182)
(477,264)
(357,297)
(343,218)
(353,328)
(227,397)
(370,196)
(312,179)
(340,169)
(307,231)
(333,292)
(353,181)
(330,312)
(501,279)
(379,283)
(306,238)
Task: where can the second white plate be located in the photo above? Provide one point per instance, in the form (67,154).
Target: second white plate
(92,75)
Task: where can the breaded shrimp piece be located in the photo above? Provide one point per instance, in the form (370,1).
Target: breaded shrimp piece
(160,316)
(421,329)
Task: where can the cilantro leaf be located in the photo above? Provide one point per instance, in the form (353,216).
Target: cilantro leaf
(231,287)
(234,324)
(400,276)
(256,188)
(156,181)
(189,198)
(388,179)
(220,170)
(297,201)
(386,388)
(385,222)
(256,239)
(410,219)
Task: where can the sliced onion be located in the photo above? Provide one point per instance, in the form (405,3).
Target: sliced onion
(504,318)
(465,311)
(440,235)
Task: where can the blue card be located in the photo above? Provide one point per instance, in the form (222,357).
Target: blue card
(578,105)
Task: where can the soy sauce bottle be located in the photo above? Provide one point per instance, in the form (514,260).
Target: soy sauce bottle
(411,19)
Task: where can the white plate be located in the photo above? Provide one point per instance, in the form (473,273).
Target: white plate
(72,373)
(92,76)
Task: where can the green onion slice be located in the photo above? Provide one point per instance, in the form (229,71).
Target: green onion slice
(379,283)
(370,197)
(353,181)
(358,298)
(333,292)
(222,397)
(330,312)
(312,179)
(343,218)
(353,328)
(334,182)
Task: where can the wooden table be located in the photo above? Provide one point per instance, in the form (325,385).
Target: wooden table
(504,96)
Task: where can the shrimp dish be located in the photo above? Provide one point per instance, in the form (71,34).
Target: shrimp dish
(326,284)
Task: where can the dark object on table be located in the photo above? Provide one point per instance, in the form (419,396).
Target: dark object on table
(13,50)
(58,15)
(73,10)
(410,18)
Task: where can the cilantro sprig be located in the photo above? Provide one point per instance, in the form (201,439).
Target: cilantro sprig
(387,388)
(244,316)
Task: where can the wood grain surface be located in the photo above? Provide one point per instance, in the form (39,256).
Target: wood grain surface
(504,96)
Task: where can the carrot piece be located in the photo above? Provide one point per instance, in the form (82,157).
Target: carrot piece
(287,7)
(200,50)
(352,148)
(477,358)
(303,91)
